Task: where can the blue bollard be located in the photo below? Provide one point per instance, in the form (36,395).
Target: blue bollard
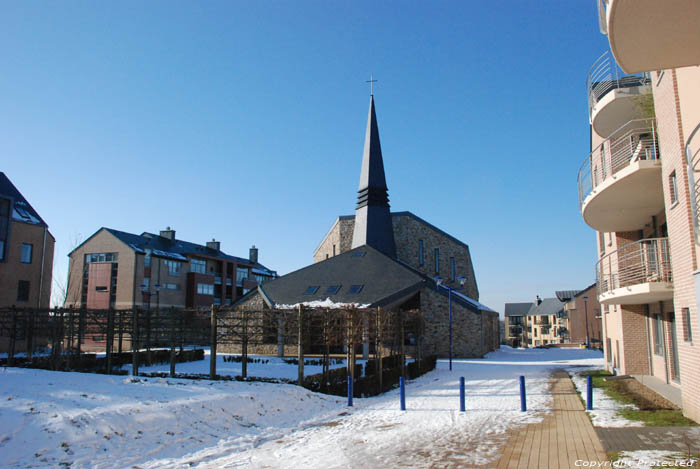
(589,393)
(523,403)
(349,391)
(462,404)
(403,393)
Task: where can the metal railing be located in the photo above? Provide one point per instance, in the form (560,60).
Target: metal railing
(643,261)
(634,141)
(605,75)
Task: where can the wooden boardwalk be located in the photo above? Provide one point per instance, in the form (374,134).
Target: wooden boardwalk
(564,436)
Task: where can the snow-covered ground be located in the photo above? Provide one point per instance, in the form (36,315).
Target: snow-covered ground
(49,418)
(605,409)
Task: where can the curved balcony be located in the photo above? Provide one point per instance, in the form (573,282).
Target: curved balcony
(636,273)
(619,183)
(648,35)
(613,96)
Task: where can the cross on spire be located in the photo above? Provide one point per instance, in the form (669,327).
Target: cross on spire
(371,82)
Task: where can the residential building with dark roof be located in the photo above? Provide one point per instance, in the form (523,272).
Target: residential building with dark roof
(390,260)
(115,269)
(516,323)
(26,251)
(583,318)
(545,321)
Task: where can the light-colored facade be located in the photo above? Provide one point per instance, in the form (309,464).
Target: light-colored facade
(26,251)
(637,190)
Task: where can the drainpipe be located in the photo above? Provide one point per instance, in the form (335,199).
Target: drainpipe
(41,275)
(650,362)
(664,331)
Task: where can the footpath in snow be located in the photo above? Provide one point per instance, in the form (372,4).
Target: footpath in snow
(86,420)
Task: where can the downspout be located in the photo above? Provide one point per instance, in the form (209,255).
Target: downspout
(41,275)
(650,361)
(667,355)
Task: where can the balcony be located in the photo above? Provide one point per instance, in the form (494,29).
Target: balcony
(648,35)
(637,273)
(613,96)
(619,183)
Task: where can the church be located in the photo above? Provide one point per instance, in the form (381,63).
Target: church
(376,258)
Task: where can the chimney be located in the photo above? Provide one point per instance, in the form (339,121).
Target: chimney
(214,244)
(168,234)
(538,300)
(253,255)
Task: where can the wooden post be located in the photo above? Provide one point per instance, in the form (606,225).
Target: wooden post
(300,345)
(109,345)
(148,337)
(244,345)
(173,345)
(135,343)
(29,334)
(121,330)
(13,338)
(212,356)
(380,360)
(81,329)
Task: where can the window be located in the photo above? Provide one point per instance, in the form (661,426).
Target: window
(334,250)
(26,253)
(658,335)
(261,278)
(687,326)
(227,301)
(199,266)
(241,274)
(356,288)
(601,242)
(608,349)
(333,289)
(147,283)
(437,260)
(173,267)
(217,301)
(453,273)
(102,289)
(172,286)
(420,252)
(2,250)
(23,290)
(673,187)
(147,258)
(311,290)
(101,257)
(205,289)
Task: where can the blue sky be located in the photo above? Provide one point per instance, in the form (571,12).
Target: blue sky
(245,121)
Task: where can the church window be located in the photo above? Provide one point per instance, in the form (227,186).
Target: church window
(420,252)
(356,288)
(333,289)
(437,260)
(311,290)
(452,269)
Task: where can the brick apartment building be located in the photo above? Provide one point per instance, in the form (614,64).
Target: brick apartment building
(638,189)
(26,251)
(572,317)
(114,269)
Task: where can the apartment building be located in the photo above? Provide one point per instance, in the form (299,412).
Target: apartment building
(516,323)
(26,251)
(638,190)
(115,269)
(581,321)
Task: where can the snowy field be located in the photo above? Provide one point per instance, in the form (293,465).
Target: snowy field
(86,420)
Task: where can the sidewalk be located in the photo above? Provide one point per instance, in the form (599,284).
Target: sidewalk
(564,436)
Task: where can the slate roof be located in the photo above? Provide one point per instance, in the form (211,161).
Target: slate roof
(549,306)
(385,281)
(518,309)
(566,295)
(172,249)
(21,211)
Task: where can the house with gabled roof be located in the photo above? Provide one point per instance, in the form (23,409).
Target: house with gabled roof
(116,269)
(26,251)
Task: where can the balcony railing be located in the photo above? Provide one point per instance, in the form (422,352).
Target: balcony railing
(643,261)
(542,322)
(634,141)
(605,75)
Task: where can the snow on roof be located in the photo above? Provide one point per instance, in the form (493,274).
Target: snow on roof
(327,303)
(172,255)
(260,271)
(482,307)
(21,212)
(137,249)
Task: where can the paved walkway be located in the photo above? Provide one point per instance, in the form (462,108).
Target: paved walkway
(564,436)
(651,438)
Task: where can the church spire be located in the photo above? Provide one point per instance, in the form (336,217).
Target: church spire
(373,225)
